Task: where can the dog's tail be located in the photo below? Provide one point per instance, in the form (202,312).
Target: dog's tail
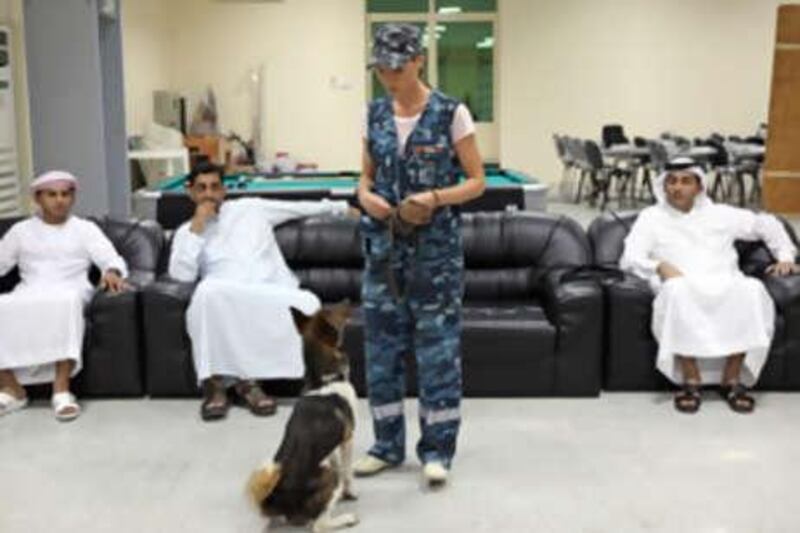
(262,482)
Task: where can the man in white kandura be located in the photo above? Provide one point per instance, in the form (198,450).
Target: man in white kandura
(239,318)
(713,324)
(41,320)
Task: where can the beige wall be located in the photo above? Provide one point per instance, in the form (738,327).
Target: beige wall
(570,66)
(11,16)
(689,66)
(303,44)
(147,45)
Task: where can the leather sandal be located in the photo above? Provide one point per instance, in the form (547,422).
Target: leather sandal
(216,403)
(688,399)
(738,398)
(249,393)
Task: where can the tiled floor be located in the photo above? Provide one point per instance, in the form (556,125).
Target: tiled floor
(621,463)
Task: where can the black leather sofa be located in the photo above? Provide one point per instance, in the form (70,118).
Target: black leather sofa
(112,356)
(629,346)
(527,331)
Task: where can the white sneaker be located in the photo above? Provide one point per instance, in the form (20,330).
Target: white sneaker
(369,465)
(435,473)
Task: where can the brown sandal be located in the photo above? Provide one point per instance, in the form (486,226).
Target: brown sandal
(738,398)
(688,398)
(215,401)
(249,393)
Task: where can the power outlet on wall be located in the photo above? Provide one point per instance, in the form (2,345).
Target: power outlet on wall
(340,83)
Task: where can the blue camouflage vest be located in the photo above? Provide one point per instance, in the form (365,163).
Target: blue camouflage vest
(427,162)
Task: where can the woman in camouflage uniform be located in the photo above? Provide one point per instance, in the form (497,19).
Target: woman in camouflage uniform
(415,140)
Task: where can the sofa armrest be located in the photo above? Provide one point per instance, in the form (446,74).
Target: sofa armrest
(140,278)
(166,287)
(785,291)
(168,356)
(635,285)
(112,346)
(630,348)
(576,309)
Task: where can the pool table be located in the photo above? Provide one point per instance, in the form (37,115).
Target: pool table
(169,204)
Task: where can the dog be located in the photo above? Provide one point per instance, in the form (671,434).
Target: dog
(312,469)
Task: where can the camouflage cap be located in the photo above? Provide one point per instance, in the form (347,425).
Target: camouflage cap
(394,45)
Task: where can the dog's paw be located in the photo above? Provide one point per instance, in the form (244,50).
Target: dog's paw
(338,522)
(347,520)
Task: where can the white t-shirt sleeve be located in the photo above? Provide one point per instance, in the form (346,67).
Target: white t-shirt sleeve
(463,125)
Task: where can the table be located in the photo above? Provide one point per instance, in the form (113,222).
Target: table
(700,154)
(745,150)
(626,151)
(631,152)
(169,204)
(701,151)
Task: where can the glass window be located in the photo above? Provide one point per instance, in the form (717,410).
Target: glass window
(377,88)
(465,6)
(466,65)
(397,6)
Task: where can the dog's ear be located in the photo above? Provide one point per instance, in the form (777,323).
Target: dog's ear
(338,314)
(262,482)
(325,331)
(300,320)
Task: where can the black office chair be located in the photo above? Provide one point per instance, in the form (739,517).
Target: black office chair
(655,166)
(581,165)
(566,158)
(603,175)
(613,134)
(729,184)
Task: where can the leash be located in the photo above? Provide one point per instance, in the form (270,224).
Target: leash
(397,228)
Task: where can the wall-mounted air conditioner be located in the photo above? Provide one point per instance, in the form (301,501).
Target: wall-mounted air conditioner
(9,173)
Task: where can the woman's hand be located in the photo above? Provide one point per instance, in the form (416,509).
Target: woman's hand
(426,198)
(375,205)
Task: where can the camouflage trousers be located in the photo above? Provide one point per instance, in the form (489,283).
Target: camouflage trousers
(423,320)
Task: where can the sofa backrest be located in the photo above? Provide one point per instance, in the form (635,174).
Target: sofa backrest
(607,235)
(8,281)
(325,254)
(140,243)
(506,253)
